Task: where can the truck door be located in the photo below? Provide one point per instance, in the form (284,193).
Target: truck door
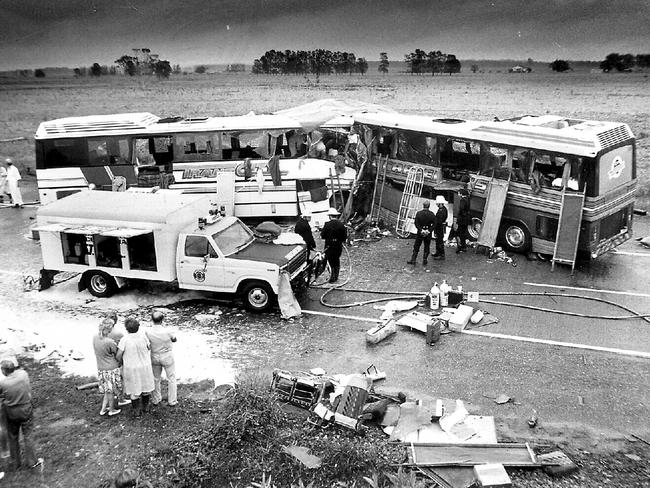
(199,267)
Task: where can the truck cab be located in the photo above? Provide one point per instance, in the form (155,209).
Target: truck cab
(223,255)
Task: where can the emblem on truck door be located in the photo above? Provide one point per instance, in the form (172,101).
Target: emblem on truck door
(199,275)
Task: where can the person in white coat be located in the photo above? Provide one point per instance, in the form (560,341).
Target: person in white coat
(3,184)
(13,176)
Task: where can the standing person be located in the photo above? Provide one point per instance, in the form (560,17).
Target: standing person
(117,335)
(133,351)
(13,176)
(3,184)
(425,221)
(16,394)
(303,229)
(463,220)
(161,339)
(441,226)
(335,234)
(108,367)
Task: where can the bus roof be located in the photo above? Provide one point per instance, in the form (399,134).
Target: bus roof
(96,125)
(231,123)
(548,132)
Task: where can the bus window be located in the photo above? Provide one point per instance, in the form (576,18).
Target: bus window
(253,145)
(521,165)
(142,153)
(413,147)
(459,154)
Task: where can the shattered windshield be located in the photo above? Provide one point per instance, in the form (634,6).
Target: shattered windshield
(233,238)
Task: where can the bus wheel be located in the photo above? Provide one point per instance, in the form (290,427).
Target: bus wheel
(515,237)
(100,284)
(474,229)
(257,296)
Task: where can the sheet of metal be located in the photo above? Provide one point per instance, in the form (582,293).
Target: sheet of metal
(125,232)
(472,454)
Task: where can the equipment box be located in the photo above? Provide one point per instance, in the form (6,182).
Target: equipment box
(301,389)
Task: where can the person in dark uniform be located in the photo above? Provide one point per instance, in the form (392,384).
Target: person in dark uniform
(425,221)
(463,219)
(441,226)
(334,234)
(303,229)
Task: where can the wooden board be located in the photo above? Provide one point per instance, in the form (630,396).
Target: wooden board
(471,454)
(492,212)
(568,229)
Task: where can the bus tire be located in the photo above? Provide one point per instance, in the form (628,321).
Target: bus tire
(257,296)
(100,284)
(515,236)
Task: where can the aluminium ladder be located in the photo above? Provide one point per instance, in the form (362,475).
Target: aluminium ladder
(568,229)
(409,205)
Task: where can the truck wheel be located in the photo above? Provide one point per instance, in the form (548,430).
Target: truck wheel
(515,237)
(100,284)
(257,296)
(474,228)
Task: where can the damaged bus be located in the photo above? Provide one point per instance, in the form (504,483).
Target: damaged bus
(566,182)
(258,165)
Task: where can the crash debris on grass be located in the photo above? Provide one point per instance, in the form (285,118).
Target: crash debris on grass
(440,437)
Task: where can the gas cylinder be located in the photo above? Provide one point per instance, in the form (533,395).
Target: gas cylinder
(434,297)
(444,294)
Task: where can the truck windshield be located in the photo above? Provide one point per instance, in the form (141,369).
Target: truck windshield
(233,238)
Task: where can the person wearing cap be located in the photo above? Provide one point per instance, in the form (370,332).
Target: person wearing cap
(13,176)
(440,227)
(334,234)
(161,340)
(303,229)
(463,219)
(16,395)
(425,221)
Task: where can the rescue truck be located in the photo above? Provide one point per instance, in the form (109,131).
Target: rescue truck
(113,237)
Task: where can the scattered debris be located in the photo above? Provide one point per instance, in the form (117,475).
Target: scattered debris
(557,463)
(644,241)
(502,398)
(88,386)
(492,476)
(381,331)
(303,455)
(633,457)
(532,421)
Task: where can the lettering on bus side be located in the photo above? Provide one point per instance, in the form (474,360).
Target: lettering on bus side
(193,173)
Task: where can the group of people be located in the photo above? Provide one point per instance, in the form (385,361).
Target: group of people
(334,234)
(129,366)
(9,178)
(430,225)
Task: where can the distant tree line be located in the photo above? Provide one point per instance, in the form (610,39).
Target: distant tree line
(624,62)
(317,61)
(420,62)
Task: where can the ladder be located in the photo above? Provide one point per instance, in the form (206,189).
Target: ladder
(568,229)
(495,200)
(409,205)
(380,180)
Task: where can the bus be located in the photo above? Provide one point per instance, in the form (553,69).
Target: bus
(540,158)
(259,165)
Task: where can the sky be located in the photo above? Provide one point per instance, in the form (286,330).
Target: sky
(45,33)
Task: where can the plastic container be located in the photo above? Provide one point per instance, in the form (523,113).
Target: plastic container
(434,297)
(476,317)
(444,294)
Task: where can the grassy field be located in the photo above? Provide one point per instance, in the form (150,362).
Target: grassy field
(622,97)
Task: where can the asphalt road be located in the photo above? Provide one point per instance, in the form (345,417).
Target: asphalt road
(583,396)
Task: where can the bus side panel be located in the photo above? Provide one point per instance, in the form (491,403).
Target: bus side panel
(615,168)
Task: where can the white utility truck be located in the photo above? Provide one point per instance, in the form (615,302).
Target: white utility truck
(111,237)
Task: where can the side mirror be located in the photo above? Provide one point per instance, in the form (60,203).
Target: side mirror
(206,258)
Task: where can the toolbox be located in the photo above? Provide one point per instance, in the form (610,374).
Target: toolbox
(299,388)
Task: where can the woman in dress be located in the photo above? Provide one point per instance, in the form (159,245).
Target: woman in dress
(133,351)
(108,367)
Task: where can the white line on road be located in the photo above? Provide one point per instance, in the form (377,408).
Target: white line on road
(595,290)
(613,350)
(624,352)
(628,253)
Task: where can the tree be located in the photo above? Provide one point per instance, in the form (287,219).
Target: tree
(383,63)
(474,68)
(200,69)
(362,65)
(560,65)
(77,72)
(129,64)
(162,69)
(39,73)
(417,61)
(95,70)
(451,64)
(176,69)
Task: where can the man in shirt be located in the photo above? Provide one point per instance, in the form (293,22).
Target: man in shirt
(425,220)
(463,220)
(161,339)
(440,227)
(303,229)
(334,234)
(16,395)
